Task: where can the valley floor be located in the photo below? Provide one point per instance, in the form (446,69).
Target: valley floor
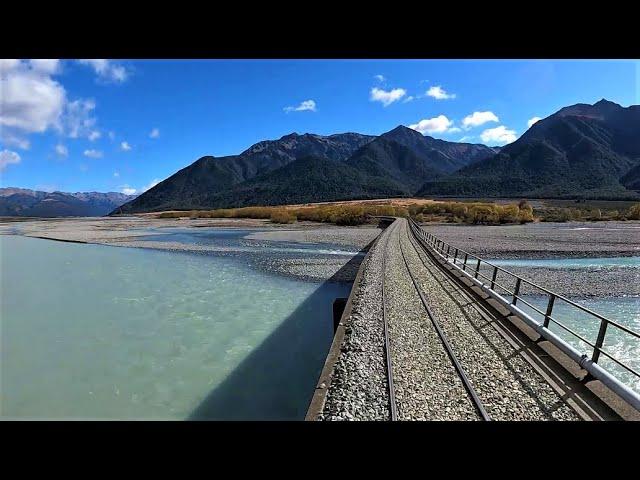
(530,241)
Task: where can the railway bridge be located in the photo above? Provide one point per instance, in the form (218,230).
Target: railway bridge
(431,332)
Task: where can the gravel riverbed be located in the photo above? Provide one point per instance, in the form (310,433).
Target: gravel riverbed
(557,241)
(544,240)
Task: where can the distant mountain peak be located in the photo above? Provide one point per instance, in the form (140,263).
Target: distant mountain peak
(604,101)
(402,130)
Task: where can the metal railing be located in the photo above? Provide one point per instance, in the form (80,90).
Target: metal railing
(485,275)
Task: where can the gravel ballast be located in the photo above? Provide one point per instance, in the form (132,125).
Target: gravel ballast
(358,388)
(426,382)
(427,387)
(508,386)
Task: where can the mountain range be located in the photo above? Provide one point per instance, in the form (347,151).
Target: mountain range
(21,202)
(310,168)
(581,151)
(589,151)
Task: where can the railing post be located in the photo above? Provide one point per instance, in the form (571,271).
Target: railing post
(448,252)
(477,268)
(455,256)
(493,277)
(600,340)
(516,291)
(547,316)
(464,265)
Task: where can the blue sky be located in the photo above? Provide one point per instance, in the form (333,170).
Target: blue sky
(120,125)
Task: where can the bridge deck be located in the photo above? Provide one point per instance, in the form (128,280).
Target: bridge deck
(439,332)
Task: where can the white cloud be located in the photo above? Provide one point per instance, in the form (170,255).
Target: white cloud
(112,135)
(379,78)
(31,100)
(307,105)
(466,138)
(77,120)
(439,124)
(94,135)
(62,150)
(386,97)
(500,135)
(408,99)
(439,93)
(12,140)
(48,66)
(7,157)
(125,147)
(153,183)
(127,190)
(116,174)
(93,153)
(533,120)
(479,118)
(155,133)
(108,71)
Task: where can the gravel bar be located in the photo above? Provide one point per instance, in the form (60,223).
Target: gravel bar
(508,386)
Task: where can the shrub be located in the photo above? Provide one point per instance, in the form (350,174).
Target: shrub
(281,215)
(634,212)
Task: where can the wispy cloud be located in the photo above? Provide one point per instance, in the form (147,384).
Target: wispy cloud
(127,190)
(93,153)
(94,135)
(307,105)
(500,135)
(124,146)
(7,157)
(78,120)
(107,71)
(439,124)
(386,97)
(439,93)
(379,78)
(155,133)
(61,150)
(479,118)
(116,174)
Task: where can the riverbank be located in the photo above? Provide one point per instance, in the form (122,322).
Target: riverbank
(324,252)
(559,241)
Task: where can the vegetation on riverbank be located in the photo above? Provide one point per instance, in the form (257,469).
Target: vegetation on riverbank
(474,213)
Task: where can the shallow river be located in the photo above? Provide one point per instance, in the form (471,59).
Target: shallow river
(92,331)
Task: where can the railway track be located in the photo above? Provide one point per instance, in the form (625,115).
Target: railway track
(473,396)
(393,408)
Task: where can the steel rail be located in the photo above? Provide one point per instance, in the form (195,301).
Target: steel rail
(387,349)
(582,359)
(443,338)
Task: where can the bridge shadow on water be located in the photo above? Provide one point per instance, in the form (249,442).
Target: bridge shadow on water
(277,380)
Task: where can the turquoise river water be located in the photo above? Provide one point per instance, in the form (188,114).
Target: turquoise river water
(99,332)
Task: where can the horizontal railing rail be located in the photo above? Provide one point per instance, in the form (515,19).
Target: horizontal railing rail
(511,285)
